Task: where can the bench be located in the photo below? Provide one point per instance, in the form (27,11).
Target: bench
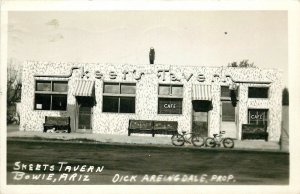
(250,131)
(152,127)
(57,124)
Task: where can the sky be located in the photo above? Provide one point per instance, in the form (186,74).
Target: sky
(198,38)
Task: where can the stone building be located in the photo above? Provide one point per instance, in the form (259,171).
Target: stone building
(102,98)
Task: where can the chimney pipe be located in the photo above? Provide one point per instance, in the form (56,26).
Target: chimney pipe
(152,55)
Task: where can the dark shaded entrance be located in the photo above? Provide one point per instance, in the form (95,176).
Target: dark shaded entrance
(84,114)
(200,116)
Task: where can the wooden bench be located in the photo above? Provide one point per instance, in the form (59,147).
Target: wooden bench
(152,127)
(250,131)
(57,124)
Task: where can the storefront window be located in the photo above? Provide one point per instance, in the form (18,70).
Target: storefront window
(258,92)
(110,104)
(42,101)
(119,97)
(258,116)
(59,102)
(127,105)
(170,99)
(51,95)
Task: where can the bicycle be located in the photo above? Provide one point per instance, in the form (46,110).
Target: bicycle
(218,139)
(191,138)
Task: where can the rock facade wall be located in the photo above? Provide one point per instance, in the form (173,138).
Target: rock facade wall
(147,93)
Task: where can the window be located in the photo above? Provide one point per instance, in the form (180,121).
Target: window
(51,95)
(228,111)
(170,99)
(119,97)
(226,93)
(258,92)
(258,116)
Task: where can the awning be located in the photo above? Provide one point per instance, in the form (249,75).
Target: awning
(83,88)
(201,92)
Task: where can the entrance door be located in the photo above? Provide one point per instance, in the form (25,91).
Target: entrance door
(200,116)
(200,123)
(228,119)
(84,114)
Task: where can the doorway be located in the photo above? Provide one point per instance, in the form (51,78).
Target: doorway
(200,116)
(200,123)
(84,114)
(228,119)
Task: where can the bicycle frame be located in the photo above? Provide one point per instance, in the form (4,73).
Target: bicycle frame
(187,140)
(219,137)
(191,138)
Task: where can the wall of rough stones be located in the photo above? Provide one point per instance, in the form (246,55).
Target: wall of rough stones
(147,94)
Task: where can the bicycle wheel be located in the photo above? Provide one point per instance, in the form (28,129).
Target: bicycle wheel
(228,143)
(177,140)
(210,142)
(197,140)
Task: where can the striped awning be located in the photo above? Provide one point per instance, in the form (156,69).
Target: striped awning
(83,88)
(201,92)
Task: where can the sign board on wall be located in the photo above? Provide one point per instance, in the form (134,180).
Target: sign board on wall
(169,106)
(258,116)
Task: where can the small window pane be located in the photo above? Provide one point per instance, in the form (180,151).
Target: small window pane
(112,88)
(42,102)
(225,92)
(110,104)
(177,91)
(256,92)
(228,112)
(169,106)
(127,105)
(127,88)
(43,86)
(59,102)
(164,90)
(60,86)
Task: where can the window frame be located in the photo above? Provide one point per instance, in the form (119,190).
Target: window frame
(51,93)
(170,96)
(265,87)
(119,96)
